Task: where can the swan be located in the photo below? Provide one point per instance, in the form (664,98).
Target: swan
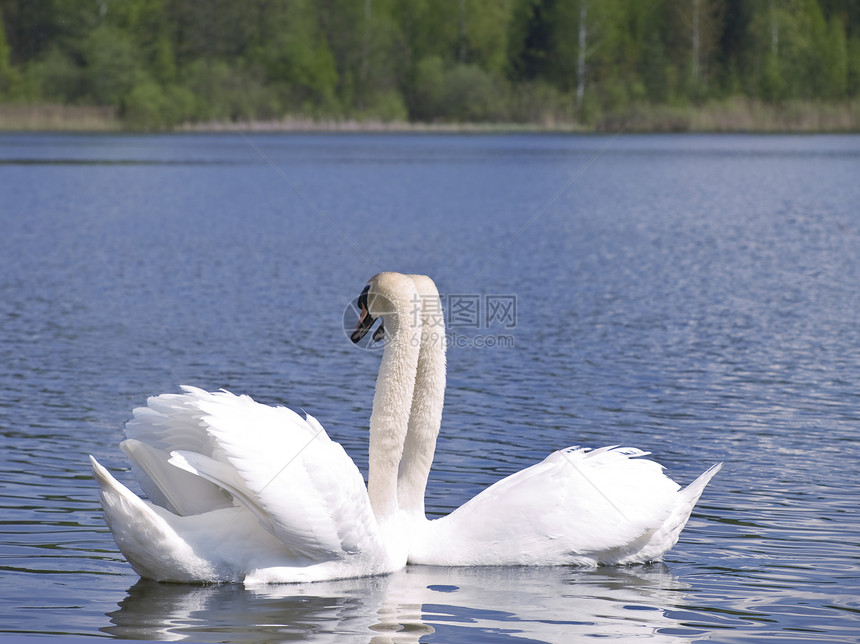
(244,492)
(576,507)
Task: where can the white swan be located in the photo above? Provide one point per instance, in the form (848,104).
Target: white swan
(241,491)
(577,507)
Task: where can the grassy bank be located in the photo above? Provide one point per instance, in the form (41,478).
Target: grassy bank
(62,118)
(300,124)
(732,115)
(739,115)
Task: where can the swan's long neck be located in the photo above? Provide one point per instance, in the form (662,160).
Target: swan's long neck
(425,416)
(391,404)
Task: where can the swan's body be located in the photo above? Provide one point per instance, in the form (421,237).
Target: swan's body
(576,507)
(241,491)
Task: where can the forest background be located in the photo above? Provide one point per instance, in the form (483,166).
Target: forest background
(658,65)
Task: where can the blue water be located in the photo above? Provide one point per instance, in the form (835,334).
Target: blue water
(695,296)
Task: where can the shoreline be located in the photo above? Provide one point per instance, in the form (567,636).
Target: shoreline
(731,116)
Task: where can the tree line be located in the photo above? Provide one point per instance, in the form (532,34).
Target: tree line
(164,62)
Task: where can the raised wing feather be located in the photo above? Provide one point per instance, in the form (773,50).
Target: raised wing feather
(287,470)
(172,422)
(200,451)
(182,493)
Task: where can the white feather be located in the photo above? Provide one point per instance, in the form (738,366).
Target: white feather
(576,507)
(303,509)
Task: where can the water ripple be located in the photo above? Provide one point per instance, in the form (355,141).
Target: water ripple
(693,296)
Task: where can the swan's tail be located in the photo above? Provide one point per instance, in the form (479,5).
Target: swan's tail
(694,490)
(667,535)
(145,538)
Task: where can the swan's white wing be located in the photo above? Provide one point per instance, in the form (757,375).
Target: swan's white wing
(192,452)
(576,506)
(172,488)
(286,470)
(224,476)
(172,422)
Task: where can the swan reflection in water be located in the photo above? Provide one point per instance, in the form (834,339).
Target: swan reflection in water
(437,604)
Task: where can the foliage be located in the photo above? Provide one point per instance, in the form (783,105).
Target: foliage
(161,63)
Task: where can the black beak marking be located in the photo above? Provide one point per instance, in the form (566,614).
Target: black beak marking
(365,320)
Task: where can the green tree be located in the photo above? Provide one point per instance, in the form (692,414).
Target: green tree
(852,71)
(484,28)
(834,61)
(530,40)
(160,62)
(296,57)
(111,65)
(5,65)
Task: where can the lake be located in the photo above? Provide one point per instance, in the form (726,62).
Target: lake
(694,296)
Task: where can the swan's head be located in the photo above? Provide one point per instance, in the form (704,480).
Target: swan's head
(388,296)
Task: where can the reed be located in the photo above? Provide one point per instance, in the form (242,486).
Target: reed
(72,118)
(738,115)
(303,124)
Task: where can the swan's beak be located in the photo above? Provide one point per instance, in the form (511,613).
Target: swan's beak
(365,320)
(363,326)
